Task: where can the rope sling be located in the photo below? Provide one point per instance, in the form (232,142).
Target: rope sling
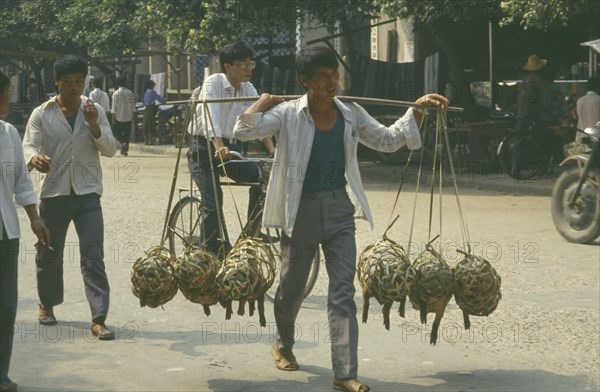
(385,272)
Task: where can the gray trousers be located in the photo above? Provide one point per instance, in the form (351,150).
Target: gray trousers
(325,218)
(9,255)
(85,212)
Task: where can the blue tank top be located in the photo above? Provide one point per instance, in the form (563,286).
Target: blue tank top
(71,120)
(326,167)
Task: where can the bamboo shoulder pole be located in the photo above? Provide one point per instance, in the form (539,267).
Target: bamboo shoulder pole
(343,98)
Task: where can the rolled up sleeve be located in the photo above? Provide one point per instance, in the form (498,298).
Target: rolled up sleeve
(33,138)
(251,126)
(24,193)
(410,129)
(376,136)
(106,143)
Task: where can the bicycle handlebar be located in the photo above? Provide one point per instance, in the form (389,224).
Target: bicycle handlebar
(242,157)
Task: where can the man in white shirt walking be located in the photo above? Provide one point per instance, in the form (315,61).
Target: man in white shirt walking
(63,139)
(15,186)
(100,97)
(315,191)
(123,113)
(588,106)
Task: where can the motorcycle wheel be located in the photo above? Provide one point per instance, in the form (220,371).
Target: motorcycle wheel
(580,222)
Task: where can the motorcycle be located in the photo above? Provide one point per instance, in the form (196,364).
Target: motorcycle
(576,193)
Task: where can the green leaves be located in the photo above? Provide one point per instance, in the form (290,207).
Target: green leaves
(544,14)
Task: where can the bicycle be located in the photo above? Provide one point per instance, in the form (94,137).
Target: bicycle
(523,155)
(185,221)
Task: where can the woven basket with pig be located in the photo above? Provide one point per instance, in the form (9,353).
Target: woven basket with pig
(384,272)
(432,289)
(152,278)
(196,272)
(476,287)
(247,273)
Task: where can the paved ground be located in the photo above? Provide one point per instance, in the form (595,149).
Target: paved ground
(543,337)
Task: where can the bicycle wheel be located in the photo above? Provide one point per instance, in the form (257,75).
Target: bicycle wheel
(185,225)
(273,237)
(521,157)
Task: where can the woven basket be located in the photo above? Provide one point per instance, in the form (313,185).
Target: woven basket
(384,271)
(433,281)
(476,286)
(248,271)
(574,148)
(196,273)
(152,278)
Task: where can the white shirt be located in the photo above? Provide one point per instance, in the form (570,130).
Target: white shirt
(223,115)
(123,104)
(100,97)
(294,128)
(75,153)
(15,182)
(588,110)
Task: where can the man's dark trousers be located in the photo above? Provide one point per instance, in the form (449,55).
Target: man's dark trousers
(85,212)
(238,171)
(9,254)
(123,133)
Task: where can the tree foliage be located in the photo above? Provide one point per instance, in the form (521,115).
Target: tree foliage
(115,27)
(544,14)
(540,14)
(31,25)
(200,26)
(104,27)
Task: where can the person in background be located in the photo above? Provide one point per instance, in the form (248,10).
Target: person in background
(33,92)
(150,99)
(15,187)
(318,136)
(537,97)
(63,139)
(100,97)
(88,89)
(123,113)
(237,64)
(588,106)
(540,105)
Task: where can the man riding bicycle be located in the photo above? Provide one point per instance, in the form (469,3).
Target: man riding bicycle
(203,159)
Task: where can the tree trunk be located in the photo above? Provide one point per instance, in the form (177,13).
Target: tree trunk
(459,82)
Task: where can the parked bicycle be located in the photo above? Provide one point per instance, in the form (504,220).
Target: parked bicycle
(525,154)
(185,221)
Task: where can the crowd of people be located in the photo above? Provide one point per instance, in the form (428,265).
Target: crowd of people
(318,132)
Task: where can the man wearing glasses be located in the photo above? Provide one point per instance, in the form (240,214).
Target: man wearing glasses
(234,82)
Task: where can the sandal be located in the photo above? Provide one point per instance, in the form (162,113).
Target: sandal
(350,385)
(284,362)
(10,387)
(46,316)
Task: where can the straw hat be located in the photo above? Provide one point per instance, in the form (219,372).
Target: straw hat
(534,63)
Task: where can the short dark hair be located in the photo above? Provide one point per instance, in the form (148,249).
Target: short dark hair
(121,81)
(150,84)
(238,50)
(4,83)
(593,84)
(69,64)
(309,59)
